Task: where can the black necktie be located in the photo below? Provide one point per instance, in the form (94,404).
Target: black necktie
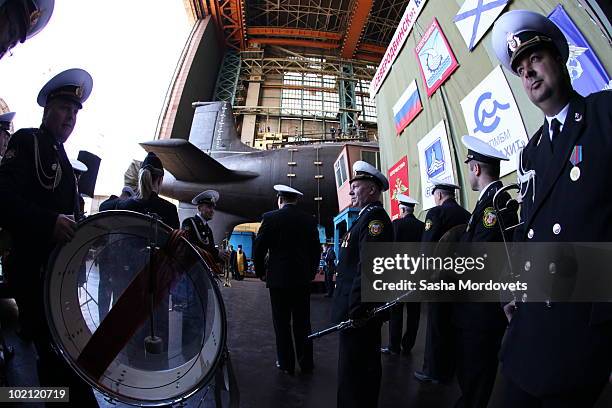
(555,125)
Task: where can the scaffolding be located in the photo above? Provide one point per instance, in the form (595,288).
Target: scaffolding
(361,29)
(227,80)
(348,104)
(254,63)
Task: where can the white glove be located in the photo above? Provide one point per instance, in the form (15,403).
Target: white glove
(509,310)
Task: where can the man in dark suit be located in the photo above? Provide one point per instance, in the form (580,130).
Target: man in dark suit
(359,366)
(439,359)
(407,228)
(39,194)
(557,354)
(479,326)
(291,240)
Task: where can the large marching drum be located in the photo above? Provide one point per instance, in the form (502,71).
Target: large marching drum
(136,311)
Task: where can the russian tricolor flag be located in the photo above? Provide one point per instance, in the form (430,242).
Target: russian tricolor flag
(407,107)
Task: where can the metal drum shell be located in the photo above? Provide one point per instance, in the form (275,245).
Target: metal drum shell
(161,387)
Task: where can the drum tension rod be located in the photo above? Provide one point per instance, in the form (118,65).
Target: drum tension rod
(153,344)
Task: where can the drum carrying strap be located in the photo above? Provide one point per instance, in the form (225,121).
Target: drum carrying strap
(226,384)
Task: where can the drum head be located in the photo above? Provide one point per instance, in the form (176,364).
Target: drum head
(144,327)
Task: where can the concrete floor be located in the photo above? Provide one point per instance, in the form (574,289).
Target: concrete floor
(252,347)
(262,385)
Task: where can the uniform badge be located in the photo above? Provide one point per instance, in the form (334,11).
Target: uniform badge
(34,17)
(428,224)
(577,116)
(375,228)
(513,41)
(489,217)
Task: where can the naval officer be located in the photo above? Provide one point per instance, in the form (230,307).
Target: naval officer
(38,190)
(22,19)
(198,231)
(407,228)
(439,359)
(479,326)
(359,365)
(557,354)
(290,238)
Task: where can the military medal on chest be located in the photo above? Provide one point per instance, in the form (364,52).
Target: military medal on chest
(575,159)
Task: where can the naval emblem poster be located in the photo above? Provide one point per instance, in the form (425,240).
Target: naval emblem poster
(491,114)
(435,57)
(586,71)
(434,162)
(398,184)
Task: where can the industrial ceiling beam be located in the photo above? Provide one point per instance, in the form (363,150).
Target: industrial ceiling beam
(357,23)
(233,23)
(293,32)
(367,57)
(373,48)
(292,42)
(325,15)
(360,30)
(213,9)
(311,64)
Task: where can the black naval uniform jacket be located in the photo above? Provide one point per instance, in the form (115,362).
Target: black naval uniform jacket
(408,229)
(564,346)
(110,203)
(484,226)
(199,233)
(153,205)
(443,217)
(29,211)
(292,240)
(372,225)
